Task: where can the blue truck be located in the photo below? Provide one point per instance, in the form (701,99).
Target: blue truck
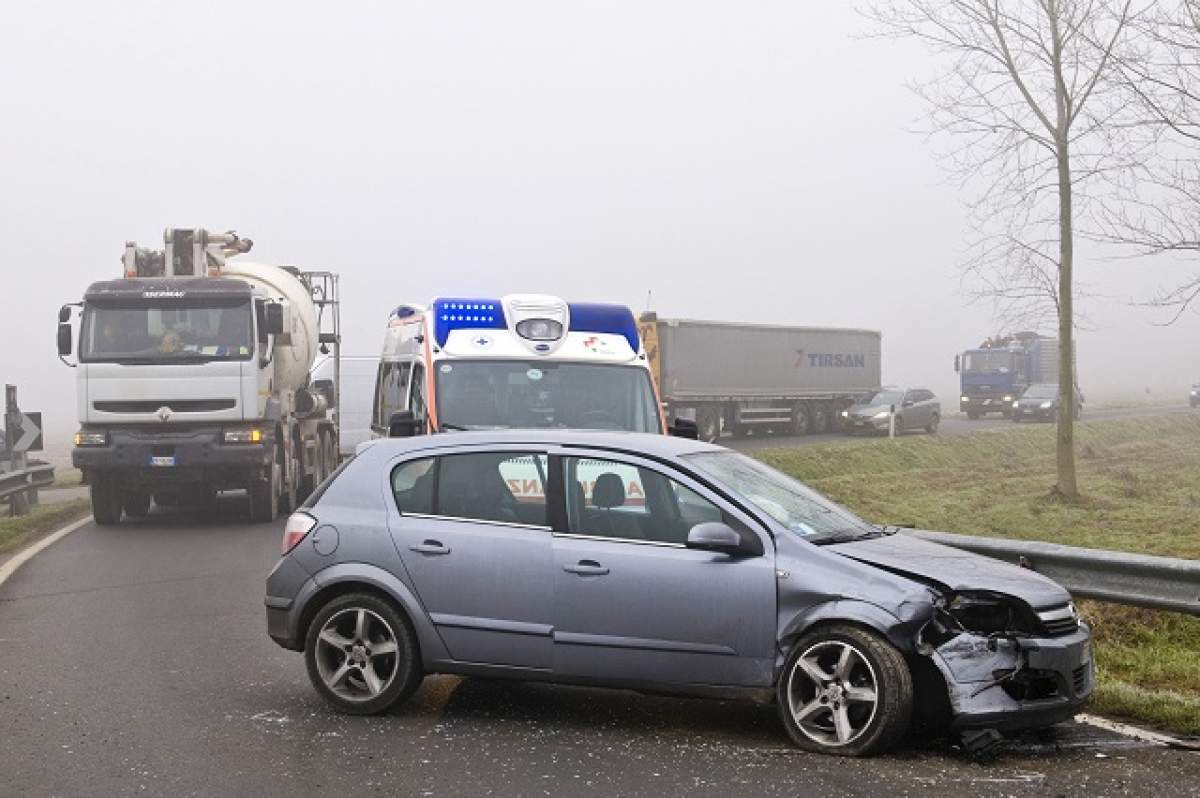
(994,375)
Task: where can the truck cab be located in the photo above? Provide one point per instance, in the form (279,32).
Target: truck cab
(522,360)
(991,380)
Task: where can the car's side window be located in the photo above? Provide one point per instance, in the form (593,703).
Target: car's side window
(412,485)
(493,486)
(509,487)
(610,499)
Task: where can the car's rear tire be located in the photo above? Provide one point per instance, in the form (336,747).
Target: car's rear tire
(362,654)
(932,426)
(845,691)
(106,500)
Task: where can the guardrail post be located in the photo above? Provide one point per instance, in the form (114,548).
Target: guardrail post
(19,461)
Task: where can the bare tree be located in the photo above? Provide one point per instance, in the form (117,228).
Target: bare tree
(1157,207)
(1027,99)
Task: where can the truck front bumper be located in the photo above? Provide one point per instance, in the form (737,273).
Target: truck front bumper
(986,404)
(149,456)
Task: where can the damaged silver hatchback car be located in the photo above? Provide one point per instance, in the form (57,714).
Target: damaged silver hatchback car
(657,563)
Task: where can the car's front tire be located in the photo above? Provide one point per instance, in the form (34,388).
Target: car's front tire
(845,691)
(362,654)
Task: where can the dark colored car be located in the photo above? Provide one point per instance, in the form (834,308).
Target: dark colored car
(658,563)
(915,408)
(1039,402)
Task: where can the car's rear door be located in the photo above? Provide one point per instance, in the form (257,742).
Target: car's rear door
(631,602)
(472,531)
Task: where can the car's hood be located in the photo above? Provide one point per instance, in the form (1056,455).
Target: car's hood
(1036,402)
(868,410)
(955,570)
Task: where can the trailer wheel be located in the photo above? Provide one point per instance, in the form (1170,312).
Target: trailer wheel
(708,419)
(136,505)
(106,500)
(820,419)
(800,420)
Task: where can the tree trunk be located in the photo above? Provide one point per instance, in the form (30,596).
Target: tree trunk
(1065,452)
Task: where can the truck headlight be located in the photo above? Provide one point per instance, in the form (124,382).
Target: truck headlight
(882,414)
(1008,398)
(965,398)
(1016,405)
(846,413)
(87,438)
(248,435)
(1047,405)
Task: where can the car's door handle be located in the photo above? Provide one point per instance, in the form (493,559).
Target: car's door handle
(430,547)
(586,568)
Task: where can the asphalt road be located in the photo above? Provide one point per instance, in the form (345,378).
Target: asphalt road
(951,424)
(134,660)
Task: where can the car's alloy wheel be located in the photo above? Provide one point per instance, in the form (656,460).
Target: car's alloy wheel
(362,655)
(845,691)
(933,424)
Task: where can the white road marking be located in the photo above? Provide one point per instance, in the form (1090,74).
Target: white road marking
(1125,729)
(26,554)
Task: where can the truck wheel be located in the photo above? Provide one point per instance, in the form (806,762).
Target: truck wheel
(972,415)
(845,691)
(708,419)
(264,497)
(800,420)
(106,500)
(137,505)
(290,493)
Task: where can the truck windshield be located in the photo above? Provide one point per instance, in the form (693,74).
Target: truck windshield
(995,361)
(517,393)
(166,333)
(794,505)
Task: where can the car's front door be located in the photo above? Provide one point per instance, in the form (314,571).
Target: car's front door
(631,602)
(472,531)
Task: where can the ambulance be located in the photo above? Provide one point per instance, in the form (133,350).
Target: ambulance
(519,361)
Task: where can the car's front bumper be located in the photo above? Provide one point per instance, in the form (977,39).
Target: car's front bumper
(1035,413)
(1015,684)
(864,424)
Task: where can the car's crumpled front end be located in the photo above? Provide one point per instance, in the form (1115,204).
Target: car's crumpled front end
(1007,641)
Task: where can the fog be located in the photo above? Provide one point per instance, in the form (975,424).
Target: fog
(737,161)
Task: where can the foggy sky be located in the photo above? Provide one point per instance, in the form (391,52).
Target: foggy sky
(735,161)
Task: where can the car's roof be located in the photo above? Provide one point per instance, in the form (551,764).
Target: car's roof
(655,445)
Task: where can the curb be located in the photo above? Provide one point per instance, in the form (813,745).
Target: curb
(26,554)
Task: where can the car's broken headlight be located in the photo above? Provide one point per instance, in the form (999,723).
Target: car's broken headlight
(985,613)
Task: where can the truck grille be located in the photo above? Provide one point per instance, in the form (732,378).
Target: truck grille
(176,405)
(1060,621)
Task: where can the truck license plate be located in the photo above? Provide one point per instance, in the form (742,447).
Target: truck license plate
(162,461)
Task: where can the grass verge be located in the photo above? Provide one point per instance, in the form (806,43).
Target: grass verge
(42,519)
(1140,492)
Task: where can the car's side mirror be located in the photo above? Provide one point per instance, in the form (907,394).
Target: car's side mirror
(685,428)
(714,536)
(64,339)
(274,313)
(402,424)
(908,403)
(64,314)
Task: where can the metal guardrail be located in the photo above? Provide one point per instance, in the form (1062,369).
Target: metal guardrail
(1139,580)
(24,482)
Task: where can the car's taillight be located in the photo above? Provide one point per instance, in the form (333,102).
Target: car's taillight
(297,527)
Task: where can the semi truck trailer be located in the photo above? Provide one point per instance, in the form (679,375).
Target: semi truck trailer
(759,378)
(192,377)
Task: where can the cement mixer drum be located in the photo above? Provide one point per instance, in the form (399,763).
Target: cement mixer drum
(294,358)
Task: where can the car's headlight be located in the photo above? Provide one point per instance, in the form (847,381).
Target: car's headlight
(845,414)
(86,438)
(882,414)
(1047,405)
(1016,404)
(987,614)
(246,435)
(1008,398)
(965,398)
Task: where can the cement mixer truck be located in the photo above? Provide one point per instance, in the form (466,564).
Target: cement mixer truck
(192,375)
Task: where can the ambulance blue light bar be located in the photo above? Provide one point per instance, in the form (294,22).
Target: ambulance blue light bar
(612,319)
(466,314)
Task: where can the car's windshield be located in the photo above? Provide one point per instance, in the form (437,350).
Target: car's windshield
(518,393)
(166,333)
(886,398)
(1040,392)
(998,360)
(794,505)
